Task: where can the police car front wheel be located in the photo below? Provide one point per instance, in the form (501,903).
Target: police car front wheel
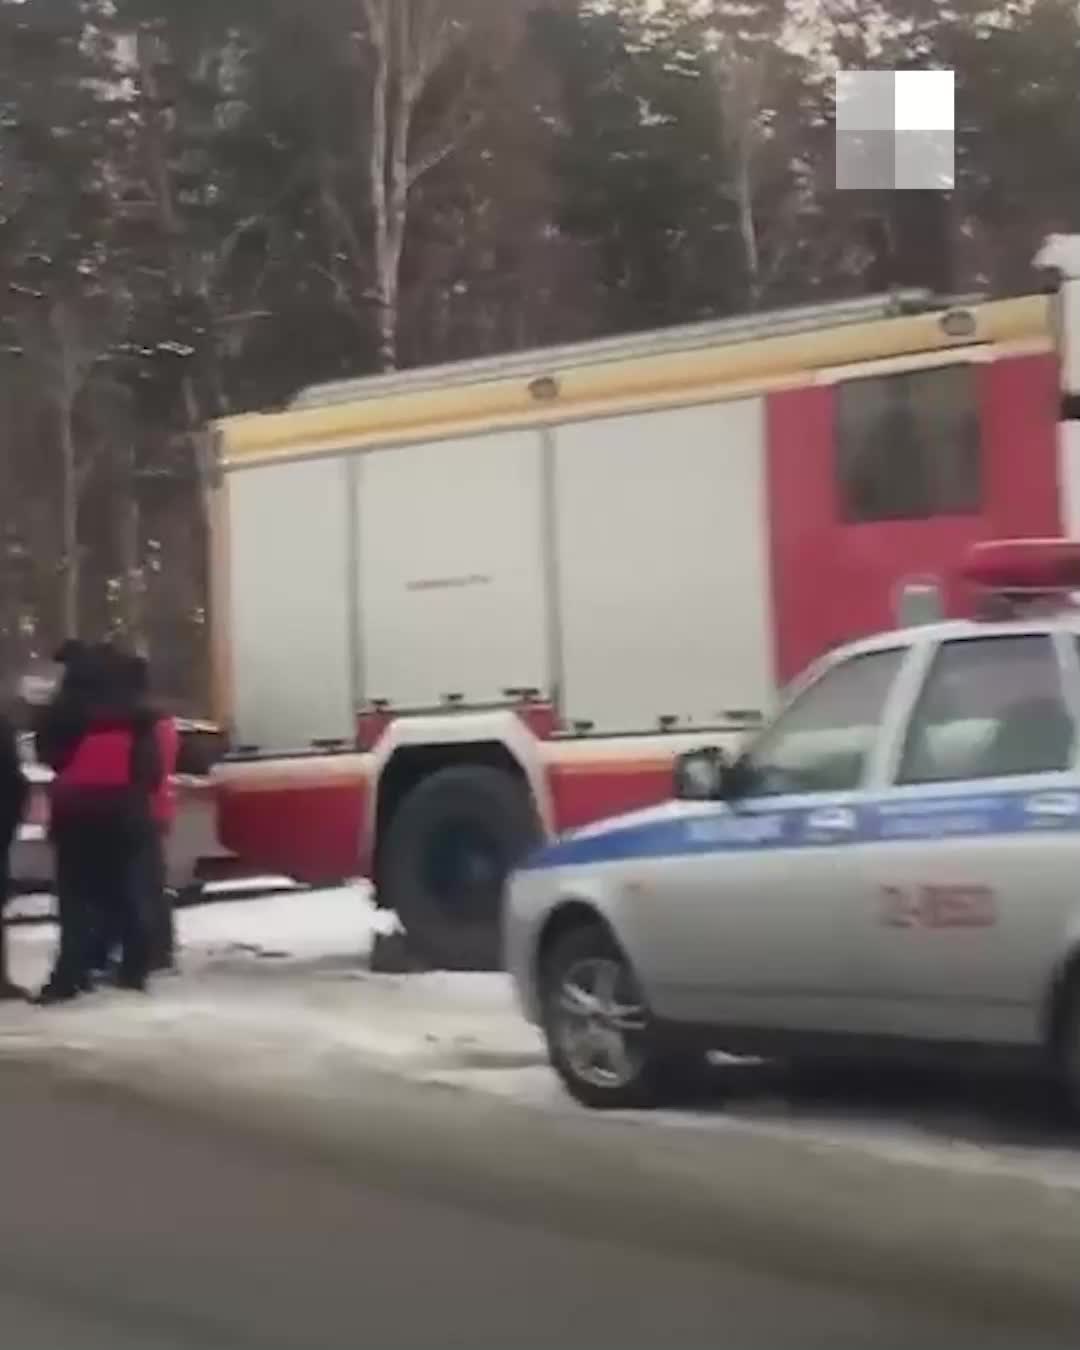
(602,1039)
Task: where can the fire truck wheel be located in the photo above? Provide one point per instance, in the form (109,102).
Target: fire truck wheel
(1065,1048)
(446,857)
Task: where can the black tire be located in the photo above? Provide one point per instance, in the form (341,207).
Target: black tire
(662,1070)
(461,820)
(1066,1050)
(189,896)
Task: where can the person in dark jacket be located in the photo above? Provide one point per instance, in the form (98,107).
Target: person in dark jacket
(100,743)
(150,865)
(58,726)
(14,791)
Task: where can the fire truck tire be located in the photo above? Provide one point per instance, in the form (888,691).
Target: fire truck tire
(448,850)
(1065,1045)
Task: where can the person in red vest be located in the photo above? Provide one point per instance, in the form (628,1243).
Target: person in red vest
(150,865)
(100,741)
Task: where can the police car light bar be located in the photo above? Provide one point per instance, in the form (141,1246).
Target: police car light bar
(1025,571)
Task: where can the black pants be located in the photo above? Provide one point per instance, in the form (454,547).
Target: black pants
(5,888)
(149,880)
(9,829)
(98,889)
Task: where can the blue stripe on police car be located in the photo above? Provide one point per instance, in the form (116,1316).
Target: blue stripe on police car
(759,827)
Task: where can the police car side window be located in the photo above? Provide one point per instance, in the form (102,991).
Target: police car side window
(991,708)
(822,741)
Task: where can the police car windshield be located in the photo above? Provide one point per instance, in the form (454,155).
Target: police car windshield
(822,741)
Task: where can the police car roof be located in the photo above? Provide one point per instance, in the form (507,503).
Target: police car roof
(957,629)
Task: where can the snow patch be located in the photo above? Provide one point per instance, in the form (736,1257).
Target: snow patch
(249,885)
(285,975)
(304,926)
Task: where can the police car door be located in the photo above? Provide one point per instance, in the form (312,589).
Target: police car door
(767,924)
(975,872)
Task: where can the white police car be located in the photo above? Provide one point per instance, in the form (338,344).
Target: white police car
(892,867)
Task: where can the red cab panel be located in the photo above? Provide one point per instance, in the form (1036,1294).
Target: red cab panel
(836,576)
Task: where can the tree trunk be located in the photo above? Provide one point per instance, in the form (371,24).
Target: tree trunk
(70,559)
(739,79)
(744,193)
(387,314)
(401,72)
(387,212)
(181,281)
(132,582)
(184,284)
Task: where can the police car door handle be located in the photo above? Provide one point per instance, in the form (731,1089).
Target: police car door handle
(833,820)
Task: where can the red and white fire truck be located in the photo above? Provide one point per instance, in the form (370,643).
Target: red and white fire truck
(464,608)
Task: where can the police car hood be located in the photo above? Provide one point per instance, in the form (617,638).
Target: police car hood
(628,820)
(671,828)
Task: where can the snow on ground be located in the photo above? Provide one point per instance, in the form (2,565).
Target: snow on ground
(291,926)
(277,989)
(287,970)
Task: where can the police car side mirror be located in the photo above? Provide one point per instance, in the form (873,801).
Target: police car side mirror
(702,776)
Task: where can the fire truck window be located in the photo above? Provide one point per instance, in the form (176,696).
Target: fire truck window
(908,445)
(991,708)
(822,741)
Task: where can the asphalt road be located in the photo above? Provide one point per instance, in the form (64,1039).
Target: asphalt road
(126,1225)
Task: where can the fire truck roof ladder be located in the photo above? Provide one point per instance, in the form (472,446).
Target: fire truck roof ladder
(686,337)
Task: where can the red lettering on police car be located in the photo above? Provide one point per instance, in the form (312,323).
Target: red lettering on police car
(938,907)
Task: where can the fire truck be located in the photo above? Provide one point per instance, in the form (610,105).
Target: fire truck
(462,609)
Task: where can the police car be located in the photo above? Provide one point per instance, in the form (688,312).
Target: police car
(891,867)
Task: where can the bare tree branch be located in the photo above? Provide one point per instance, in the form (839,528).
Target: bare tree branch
(378,14)
(430,159)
